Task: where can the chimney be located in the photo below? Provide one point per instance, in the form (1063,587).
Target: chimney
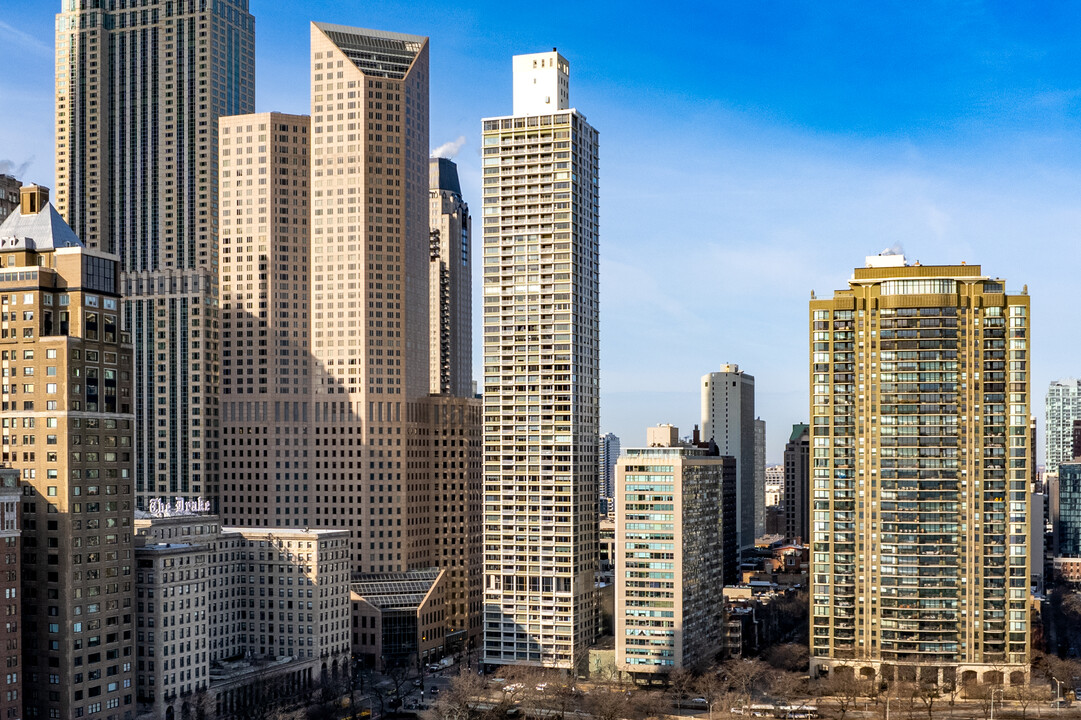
(695,438)
(33,199)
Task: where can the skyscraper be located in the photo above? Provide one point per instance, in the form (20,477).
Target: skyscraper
(138,95)
(265,272)
(369,292)
(759,477)
(1062,407)
(608,450)
(67,380)
(541,372)
(920,431)
(728,420)
(450,283)
(672,569)
(797,481)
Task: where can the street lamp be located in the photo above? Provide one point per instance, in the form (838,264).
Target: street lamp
(996,690)
(1058,688)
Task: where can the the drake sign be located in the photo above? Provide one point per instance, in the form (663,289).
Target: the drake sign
(161,507)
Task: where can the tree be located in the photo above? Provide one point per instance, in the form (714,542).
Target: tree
(1026,694)
(785,685)
(680,682)
(927,692)
(744,676)
(714,689)
(843,685)
(608,704)
(462,699)
(789,656)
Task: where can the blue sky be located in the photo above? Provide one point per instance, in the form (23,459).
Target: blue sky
(750,153)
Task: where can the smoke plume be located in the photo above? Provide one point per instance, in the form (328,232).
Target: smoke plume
(8,167)
(449,149)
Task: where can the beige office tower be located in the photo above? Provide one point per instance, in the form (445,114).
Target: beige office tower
(449,450)
(541,377)
(450,283)
(369,289)
(139,91)
(920,499)
(265,270)
(67,427)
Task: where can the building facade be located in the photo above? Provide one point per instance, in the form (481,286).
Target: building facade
(1068,519)
(9,195)
(369,288)
(541,373)
(449,449)
(797,484)
(728,420)
(227,613)
(608,449)
(11,692)
(266,367)
(1062,407)
(668,559)
(450,283)
(919,432)
(138,96)
(759,477)
(67,370)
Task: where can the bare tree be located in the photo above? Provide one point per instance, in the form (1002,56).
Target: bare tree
(1026,694)
(789,656)
(927,692)
(714,689)
(844,687)
(608,704)
(784,685)
(680,682)
(744,676)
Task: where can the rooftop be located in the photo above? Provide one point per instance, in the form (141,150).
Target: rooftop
(44,230)
(378,53)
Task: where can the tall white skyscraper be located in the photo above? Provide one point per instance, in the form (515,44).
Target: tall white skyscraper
(1063,406)
(728,420)
(541,373)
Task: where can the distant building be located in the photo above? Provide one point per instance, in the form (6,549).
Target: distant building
(450,272)
(759,477)
(728,420)
(9,195)
(1068,524)
(774,485)
(1062,406)
(670,570)
(797,482)
(608,449)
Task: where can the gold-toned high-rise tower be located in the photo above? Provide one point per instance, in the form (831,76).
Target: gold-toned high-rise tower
(919,502)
